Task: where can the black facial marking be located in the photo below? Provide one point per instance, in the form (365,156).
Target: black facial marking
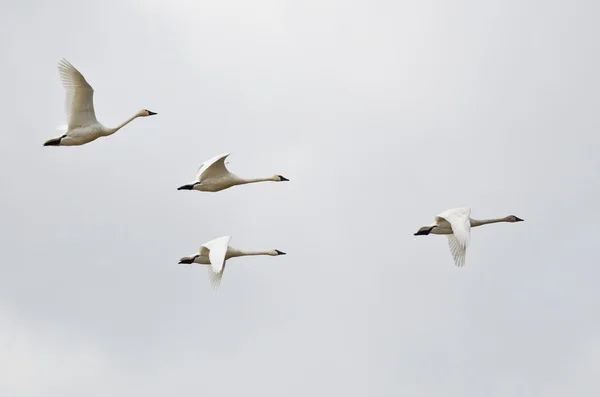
(280,252)
(282,178)
(55,141)
(424,232)
(188,261)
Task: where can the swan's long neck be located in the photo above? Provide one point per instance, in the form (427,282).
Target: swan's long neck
(110,131)
(477,222)
(243,181)
(248,253)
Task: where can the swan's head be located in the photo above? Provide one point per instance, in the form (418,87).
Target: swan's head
(276,253)
(188,186)
(512,218)
(186,260)
(424,231)
(145,113)
(280,178)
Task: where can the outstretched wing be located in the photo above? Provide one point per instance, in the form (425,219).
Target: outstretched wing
(459,252)
(217,250)
(213,168)
(215,278)
(460,221)
(79,99)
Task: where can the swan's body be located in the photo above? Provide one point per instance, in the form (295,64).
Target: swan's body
(216,252)
(214,176)
(456,223)
(82,126)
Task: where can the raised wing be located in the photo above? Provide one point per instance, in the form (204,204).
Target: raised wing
(460,221)
(213,168)
(79,100)
(217,250)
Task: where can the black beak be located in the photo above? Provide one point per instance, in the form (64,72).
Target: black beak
(185,187)
(280,253)
(517,219)
(54,141)
(151,113)
(424,232)
(185,261)
(283,178)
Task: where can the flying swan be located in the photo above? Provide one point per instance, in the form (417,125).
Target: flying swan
(82,126)
(457,224)
(214,176)
(216,252)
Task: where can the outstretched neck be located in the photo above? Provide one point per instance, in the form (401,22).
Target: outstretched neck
(477,222)
(243,181)
(248,253)
(110,131)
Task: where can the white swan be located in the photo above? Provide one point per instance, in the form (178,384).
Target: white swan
(457,223)
(216,252)
(214,176)
(82,125)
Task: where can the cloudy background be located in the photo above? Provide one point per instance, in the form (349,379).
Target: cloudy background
(382,114)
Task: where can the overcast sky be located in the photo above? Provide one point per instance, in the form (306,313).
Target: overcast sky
(382,114)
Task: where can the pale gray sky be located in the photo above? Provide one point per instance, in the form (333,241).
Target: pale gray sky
(382,114)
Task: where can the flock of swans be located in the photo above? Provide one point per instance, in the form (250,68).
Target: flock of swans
(213,176)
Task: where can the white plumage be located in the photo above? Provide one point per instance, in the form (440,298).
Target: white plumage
(456,223)
(216,252)
(213,176)
(82,126)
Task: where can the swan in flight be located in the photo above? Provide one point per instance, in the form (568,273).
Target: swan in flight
(214,176)
(216,252)
(456,223)
(82,126)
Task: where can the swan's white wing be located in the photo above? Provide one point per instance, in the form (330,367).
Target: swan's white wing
(217,250)
(453,212)
(215,278)
(79,100)
(458,251)
(213,168)
(460,221)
